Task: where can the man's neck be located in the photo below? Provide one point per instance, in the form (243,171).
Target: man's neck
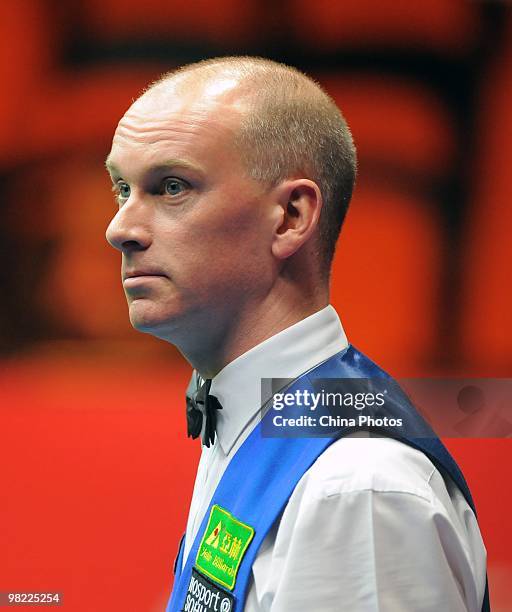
(250,327)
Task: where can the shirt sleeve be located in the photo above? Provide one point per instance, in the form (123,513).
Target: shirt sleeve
(374,537)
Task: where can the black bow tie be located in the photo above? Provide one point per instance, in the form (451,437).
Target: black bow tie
(200,403)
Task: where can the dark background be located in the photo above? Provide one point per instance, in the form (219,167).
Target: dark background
(96,471)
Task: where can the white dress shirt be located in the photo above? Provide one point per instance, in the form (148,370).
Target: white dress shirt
(372,526)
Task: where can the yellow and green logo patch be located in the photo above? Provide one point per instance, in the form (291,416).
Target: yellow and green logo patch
(223,546)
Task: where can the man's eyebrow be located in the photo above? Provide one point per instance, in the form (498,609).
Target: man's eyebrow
(159,167)
(109,165)
(175,163)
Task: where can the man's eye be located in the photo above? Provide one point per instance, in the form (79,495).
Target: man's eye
(123,190)
(174,186)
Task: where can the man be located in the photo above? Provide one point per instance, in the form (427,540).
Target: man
(233,177)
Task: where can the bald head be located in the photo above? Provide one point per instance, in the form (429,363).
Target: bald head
(286,127)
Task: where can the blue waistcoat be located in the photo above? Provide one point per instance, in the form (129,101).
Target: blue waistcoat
(263,473)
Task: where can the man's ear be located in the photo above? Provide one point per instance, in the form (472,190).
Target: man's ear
(301,203)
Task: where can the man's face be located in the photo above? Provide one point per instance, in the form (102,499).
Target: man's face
(193,229)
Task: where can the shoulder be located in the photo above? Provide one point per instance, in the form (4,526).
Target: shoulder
(381,483)
(373,517)
(379,464)
(386,478)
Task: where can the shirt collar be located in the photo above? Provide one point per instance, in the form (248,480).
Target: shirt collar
(287,354)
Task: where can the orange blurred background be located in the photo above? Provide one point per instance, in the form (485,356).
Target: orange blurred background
(96,470)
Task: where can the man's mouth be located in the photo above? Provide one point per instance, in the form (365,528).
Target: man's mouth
(135,277)
(137,273)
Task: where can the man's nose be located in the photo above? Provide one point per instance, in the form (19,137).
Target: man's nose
(128,230)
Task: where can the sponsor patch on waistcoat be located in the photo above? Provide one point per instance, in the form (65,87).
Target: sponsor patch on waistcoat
(223,546)
(205,596)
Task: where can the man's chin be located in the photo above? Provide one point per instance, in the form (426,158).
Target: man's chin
(150,321)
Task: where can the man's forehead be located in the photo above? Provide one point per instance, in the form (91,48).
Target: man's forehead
(156,116)
(201,96)
(190,122)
